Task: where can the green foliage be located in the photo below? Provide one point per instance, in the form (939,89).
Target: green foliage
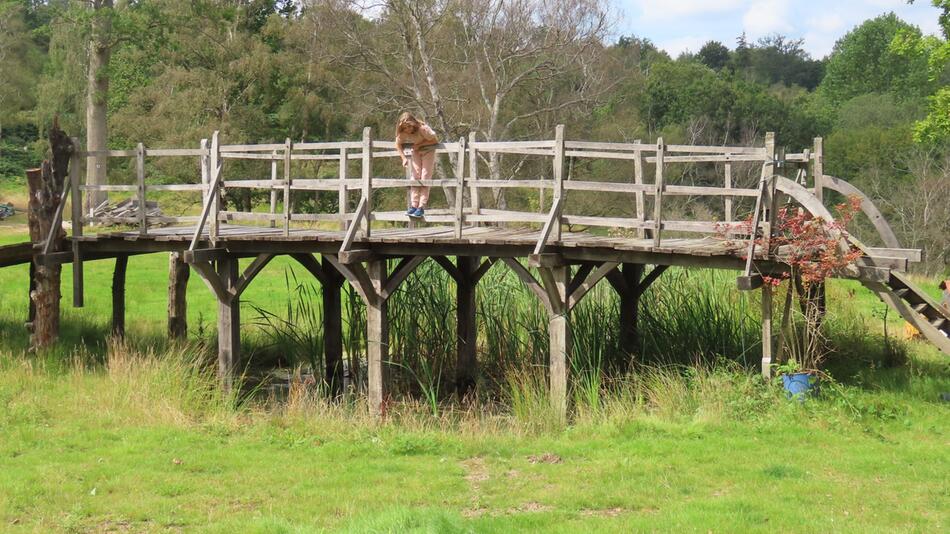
(863,62)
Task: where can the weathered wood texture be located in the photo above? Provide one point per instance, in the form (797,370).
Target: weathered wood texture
(118,295)
(178,275)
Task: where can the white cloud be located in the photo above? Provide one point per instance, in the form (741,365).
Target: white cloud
(674,9)
(765,17)
(678,45)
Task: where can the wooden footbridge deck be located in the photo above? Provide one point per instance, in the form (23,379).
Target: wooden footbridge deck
(375,250)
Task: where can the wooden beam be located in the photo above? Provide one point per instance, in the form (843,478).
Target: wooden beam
(331,287)
(555,225)
(252,271)
(402,270)
(818,169)
(638,180)
(312,266)
(118,295)
(551,226)
(767,338)
(750,282)
(178,274)
(213,280)
(288,151)
(357,256)
(658,195)
(357,276)
(577,294)
(483,269)
(140,175)
(460,189)
(205,255)
(466,326)
(358,216)
(522,272)
(652,277)
(367,200)
(229,323)
(449,267)
(377,340)
(556,281)
(626,281)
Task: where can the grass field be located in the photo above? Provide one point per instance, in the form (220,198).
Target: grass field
(109,437)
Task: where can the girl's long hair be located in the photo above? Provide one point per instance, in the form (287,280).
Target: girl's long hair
(406,118)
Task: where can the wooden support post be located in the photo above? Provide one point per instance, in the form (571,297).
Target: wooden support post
(818,169)
(473,174)
(273,190)
(140,175)
(76,192)
(558,179)
(229,323)
(638,180)
(214,170)
(460,190)
(467,330)
(288,149)
(178,274)
(767,345)
(31,313)
(367,178)
(631,273)
(342,192)
(377,338)
(557,280)
(727,202)
(118,295)
(770,199)
(332,286)
(658,196)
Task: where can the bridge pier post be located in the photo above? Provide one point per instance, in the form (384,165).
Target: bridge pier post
(178,274)
(332,286)
(229,322)
(767,337)
(377,338)
(629,293)
(556,282)
(118,295)
(466,327)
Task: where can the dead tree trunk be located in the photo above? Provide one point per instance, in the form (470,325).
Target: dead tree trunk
(46,188)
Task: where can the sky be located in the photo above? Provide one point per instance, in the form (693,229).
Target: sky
(680,25)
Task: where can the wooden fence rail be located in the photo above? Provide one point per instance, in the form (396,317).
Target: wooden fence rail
(465,156)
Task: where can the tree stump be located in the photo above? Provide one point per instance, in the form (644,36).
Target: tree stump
(46,188)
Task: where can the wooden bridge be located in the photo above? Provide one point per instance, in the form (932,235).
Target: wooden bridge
(375,250)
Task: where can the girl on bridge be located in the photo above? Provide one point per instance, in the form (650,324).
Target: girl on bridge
(410,130)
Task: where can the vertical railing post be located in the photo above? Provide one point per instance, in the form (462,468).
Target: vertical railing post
(77,203)
(638,180)
(460,189)
(367,177)
(214,169)
(273,190)
(770,202)
(727,200)
(342,189)
(558,179)
(288,149)
(140,175)
(658,198)
(473,174)
(818,169)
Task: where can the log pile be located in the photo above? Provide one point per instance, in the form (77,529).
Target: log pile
(127,209)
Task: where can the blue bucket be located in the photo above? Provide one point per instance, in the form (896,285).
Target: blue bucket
(800,385)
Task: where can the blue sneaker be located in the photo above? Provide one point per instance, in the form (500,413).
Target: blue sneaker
(411,211)
(419,213)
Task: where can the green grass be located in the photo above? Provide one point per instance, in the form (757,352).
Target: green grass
(144,443)
(103,437)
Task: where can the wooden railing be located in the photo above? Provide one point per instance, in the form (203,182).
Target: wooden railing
(465,210)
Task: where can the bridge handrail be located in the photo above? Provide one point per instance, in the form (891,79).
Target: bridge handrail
(460,213)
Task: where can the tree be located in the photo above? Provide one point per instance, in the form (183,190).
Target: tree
(714,55)
(97,97)
(19,64)
(863,62)
(935,128)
